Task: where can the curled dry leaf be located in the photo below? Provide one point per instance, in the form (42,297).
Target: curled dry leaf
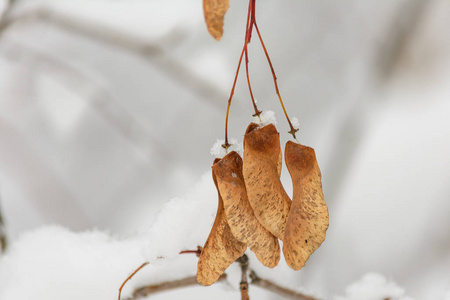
(214,11)
(261,171)
(308,219)
(240,216)
(221,248)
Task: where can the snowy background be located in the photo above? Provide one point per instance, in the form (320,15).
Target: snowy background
(109,108)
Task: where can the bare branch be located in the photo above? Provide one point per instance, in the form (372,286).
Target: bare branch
(150,52)
(4,15)
(275,288)
(3,239)
(243,262)
(98,97)
(131,276)
(167,286)
(403,26)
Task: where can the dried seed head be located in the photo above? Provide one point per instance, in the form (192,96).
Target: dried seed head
(240,216)
(221,248)
(261,170)
(214,11)
(308,219)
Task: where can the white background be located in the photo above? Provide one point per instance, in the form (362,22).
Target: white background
(98,133)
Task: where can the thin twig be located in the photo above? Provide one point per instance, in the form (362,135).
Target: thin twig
(167,286)
(226,145)
(243,262)
(197,252)
(279,290)
(277,90)
(131,276)
(248,35)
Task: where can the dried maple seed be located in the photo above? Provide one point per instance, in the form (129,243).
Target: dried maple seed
(214,11)
(308,219)
(261,171)
(240,216)
(221,248)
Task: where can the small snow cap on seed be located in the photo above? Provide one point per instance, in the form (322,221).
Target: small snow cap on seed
(267,117)
(295,123)
(219,152)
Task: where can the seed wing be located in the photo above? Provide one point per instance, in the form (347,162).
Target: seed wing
(240,216)
(214,11)
(221,249)
(308,219)
(261,170)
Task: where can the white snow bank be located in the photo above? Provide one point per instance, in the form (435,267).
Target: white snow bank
(373,286)
(55,263)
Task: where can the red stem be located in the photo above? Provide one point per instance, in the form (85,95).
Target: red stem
(248,36)
(293,130)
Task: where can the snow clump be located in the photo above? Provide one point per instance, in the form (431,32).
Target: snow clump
(219,152)
(267,117)
(374,286)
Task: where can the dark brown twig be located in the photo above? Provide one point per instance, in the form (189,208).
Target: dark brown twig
(196,252)
(131,276)
(279,290)
(167,286)
(243,262)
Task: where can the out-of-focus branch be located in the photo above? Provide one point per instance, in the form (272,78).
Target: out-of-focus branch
(279,290)
(167,286)
(150,52)
(403,26)
(3,239)
(98,97)
(350,132)
(243,262)
(4,15)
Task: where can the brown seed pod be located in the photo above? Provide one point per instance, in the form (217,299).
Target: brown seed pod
(261,171)
(308,219)
(221,248)
(240,216)
(214,11)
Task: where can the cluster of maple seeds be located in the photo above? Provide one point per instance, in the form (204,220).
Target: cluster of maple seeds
(255,211)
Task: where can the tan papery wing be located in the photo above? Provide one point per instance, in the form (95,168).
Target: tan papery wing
(214,11)
(240,216)
(308,219)
(221,249)
(261,170)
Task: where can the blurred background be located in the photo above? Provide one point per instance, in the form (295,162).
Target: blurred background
(108,108)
